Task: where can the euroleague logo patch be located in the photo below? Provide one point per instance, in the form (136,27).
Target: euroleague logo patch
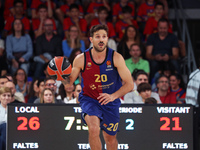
(109,66)
(108,63)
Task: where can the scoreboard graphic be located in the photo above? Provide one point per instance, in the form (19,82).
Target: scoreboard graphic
(141,127)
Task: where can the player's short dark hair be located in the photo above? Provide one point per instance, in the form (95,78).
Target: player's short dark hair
(150,100)
(126,9)
(73,6)
(41,6)
(98,27)
(102,8)
(18,1)
(159,4)
(142,87)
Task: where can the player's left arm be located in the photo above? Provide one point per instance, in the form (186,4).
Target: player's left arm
(126,77)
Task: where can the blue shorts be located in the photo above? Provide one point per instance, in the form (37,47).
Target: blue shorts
(108,114)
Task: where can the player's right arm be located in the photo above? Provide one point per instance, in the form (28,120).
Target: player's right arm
(78,65)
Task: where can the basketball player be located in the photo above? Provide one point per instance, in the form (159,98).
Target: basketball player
(102,70)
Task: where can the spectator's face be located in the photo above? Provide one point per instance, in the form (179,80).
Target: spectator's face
(48,26)
(51,84)
(131,33)
(135,51)
(163,84)
(102,15)
(69,89)
(48,96)
(41,87)
(42,13)
(99,40)
(77,90)
(145,94)
(174,82)
(159,11)
(19,8)
(141,79)
(20,75)
(163,28)
(127,16)
(17,25)
(35,87)
(5,99)
(3,81)
(73,32)
(11,85)
(74,13)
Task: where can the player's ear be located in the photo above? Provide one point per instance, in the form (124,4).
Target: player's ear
(91,39)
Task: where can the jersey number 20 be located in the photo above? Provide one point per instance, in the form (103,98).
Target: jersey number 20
(100,78)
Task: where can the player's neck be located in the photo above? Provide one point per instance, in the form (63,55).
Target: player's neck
(98,57)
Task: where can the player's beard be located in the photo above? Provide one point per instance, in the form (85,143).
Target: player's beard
(100,50)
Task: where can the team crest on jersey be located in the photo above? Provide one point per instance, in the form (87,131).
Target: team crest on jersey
(89,64)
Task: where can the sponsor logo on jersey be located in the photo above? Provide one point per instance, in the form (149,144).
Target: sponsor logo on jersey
(92,86)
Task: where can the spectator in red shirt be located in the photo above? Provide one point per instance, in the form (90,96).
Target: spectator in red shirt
(92,9)
(37,23)
(166,96)
(63,11)
(102,19)
(9,9)
(19,11)
(145,11)
(152,23)
(117,10)
(75,20)
(126,21)
(35,3)
(177,86)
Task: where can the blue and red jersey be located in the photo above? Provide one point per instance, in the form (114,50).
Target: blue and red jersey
(99,78)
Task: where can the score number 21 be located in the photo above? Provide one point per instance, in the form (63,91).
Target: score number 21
(165,126)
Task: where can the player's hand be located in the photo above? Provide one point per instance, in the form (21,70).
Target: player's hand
(105,98)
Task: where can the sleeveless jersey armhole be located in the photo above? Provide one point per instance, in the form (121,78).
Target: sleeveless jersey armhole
(113,60)
(84,62)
